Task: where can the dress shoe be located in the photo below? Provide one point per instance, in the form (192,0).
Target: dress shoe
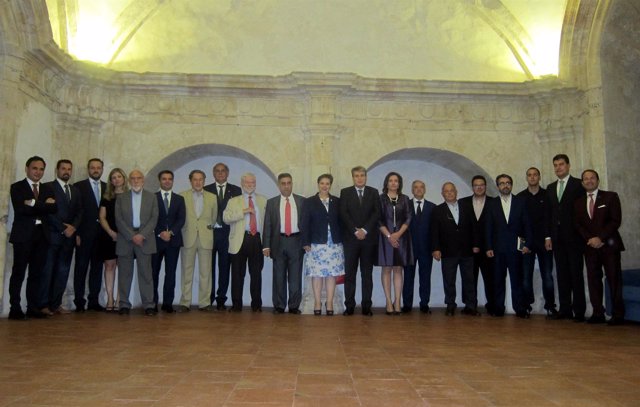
(79,310)
(425,310)
(123,311)
(96,307)
(46,311)
(17,315)
(182,308)
(37,314)
(523,314)
(150,312)
(295,311)
(552,313)
(405,310)
(235,309)
(208,308)
(470,311)
(256,309)
(348,311)
(367,312)
(221,307)
(451,310)
(578,319)
(61,310)
(278,310)
(168,309)
(596,319)
(615,321)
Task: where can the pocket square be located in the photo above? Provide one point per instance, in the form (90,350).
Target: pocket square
(601,206)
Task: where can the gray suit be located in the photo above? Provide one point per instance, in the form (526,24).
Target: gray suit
(126,249)
(286,252)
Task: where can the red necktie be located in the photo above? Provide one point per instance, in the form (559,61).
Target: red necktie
(35,191)
(592,205)
(253,223)
(287,218)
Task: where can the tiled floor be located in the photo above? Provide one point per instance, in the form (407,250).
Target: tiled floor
(247,359)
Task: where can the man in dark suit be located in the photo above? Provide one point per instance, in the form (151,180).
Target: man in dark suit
(32,202)
(421,240)
(454,238)
(223,191)
(598,217)
(537,203)
(87,256)
(507,236)
(565,240)
(168,232)
(136,218)
(281,242)
(360,213)
(481,263)
(62,228)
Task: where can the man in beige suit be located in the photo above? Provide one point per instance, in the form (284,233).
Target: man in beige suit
(201,212)
(245,215)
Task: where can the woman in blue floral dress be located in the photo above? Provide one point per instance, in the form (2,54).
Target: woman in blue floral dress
(322,240)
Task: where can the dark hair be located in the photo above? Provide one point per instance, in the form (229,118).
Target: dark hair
(385,189)
(284,175)
(504,176)
(327,176)
(192,173)
(161,173)
(63,161)
(94,159)
(358,168)
(35,158)
(558,157)
(478,177)
(592,171)
(533,168)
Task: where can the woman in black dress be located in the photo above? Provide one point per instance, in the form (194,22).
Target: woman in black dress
(394,248)
(107,240)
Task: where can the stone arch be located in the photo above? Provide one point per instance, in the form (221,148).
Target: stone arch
(456,163)
(187,154)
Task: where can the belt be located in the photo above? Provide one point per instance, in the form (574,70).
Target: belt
(246,232)
(291,235)
(136,229)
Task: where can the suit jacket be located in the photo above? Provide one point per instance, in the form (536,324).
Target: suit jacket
(173,220)
(229,192)
(198,228)
(24,220)
(316,220)
(451,239)
(234,217)
(124,222)
(89,225)
(272,222)
(607,217)
(561,216)
(479,223)
(502,236)
(355,215)
(69,212)
(420,228)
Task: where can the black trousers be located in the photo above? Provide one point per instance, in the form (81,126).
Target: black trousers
(250,255)
(483,264)
(170,255)
(87,256)
(569,271)
(33,254)
(364,253)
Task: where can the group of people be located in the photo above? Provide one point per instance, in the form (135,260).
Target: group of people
(111,224)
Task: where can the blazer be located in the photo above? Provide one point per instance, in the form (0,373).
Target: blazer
(316,220)
(561,214)
(24,220)
(234,216)
(355,215)
(272,222)
(89,225)
(199,228)
(420,228)
(451,239)
(607,217)
(229,192)
(480,223)
(173,220)
(124,222)
(69,212)
(502,237)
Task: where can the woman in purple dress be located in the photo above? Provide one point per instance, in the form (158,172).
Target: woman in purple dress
(394,247)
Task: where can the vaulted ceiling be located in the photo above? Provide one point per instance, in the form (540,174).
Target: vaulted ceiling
(458,40)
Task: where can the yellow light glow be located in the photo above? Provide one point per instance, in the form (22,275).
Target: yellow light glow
(545,51)
(93,39)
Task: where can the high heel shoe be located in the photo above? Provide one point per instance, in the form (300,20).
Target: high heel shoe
(329,312)
(317,312)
